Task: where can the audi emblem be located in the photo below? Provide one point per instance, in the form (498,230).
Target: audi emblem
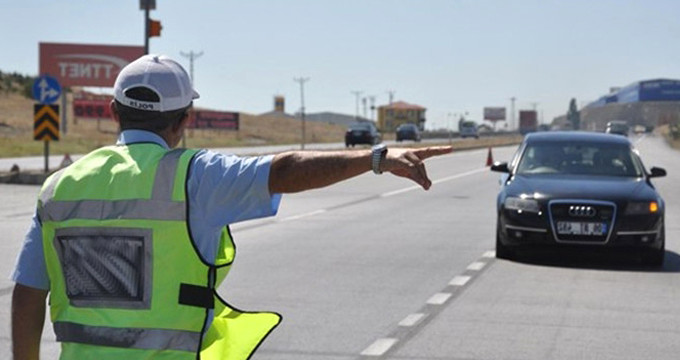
(582,211)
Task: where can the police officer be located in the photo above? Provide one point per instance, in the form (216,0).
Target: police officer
(132,240)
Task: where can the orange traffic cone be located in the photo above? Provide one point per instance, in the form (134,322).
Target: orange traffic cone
(489,158)
(66,161)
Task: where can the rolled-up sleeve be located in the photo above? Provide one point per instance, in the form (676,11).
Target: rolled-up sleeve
(30,269)
(225,189)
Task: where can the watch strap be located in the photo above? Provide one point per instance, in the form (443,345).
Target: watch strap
(378,153)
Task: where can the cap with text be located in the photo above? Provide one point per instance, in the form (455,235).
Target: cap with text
(160,74)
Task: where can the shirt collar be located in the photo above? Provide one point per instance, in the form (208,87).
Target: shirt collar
(133,136)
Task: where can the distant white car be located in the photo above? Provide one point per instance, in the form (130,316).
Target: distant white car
(469,131)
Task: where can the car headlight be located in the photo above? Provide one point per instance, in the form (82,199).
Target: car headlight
(642,207)
(520,204)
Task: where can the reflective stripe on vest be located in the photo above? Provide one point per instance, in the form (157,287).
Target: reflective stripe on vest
(159,207)
(127,338)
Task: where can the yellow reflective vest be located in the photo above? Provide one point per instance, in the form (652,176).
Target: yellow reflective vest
(126,279)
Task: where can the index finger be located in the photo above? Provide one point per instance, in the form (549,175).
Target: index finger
(424,153)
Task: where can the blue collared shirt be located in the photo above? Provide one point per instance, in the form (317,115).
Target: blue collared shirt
(222,190)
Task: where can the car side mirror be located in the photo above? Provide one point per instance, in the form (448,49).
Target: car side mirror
(503,167)
(657,172)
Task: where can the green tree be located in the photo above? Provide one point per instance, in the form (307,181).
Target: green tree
(573,115)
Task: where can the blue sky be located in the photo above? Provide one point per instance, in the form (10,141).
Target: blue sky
(450,56)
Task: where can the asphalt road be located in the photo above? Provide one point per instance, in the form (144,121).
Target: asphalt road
(376,268)
(54,160)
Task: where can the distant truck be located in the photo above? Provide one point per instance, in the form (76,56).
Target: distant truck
(469,129)
(528,121)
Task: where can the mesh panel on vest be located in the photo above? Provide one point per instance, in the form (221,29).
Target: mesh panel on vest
(105,267)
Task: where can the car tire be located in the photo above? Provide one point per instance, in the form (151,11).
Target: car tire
(502,251)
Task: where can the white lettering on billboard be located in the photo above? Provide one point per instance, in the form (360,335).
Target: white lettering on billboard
(90,70)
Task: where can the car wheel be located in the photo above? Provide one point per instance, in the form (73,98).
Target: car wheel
(502,251)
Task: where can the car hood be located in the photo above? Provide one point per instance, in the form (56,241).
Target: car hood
(581,187)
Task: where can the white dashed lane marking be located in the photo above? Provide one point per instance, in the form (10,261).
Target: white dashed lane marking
(438,298)
(412,319)
(476,266)
(414,322)
(459,280)
(379,347)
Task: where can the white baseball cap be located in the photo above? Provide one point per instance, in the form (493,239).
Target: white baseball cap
(160,74)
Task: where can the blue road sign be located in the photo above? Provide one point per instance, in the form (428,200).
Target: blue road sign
(46,89)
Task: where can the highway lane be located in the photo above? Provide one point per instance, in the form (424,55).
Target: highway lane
(363,267)
(38,162)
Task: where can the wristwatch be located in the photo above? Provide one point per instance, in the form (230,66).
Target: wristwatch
(378,153)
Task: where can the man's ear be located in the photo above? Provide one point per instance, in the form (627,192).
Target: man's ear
(184,122)
(114,111)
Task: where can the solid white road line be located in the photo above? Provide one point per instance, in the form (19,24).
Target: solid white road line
(296,217)
(448,178)
(379,347)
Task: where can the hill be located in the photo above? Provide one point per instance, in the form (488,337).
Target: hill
(84,135)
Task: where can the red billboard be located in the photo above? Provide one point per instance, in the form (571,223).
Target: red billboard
(203,119)
(92,109)
(86,65)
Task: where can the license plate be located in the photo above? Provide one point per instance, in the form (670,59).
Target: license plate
(581,228)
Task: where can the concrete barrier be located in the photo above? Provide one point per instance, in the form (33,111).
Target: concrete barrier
(24,178)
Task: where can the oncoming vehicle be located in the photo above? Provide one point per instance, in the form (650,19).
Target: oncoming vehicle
(469,129)
(567,189)
(362,133)
(408,131)
(618,127)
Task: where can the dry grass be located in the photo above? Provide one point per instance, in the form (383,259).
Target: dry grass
(84,135)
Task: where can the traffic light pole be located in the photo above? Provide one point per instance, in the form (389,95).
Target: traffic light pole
(146,27)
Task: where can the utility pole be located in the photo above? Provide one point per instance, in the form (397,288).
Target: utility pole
(357,94)
(191,56)
(391,94)
(371,98)
(302,81)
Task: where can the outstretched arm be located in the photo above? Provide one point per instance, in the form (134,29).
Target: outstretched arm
(296,171)
(28,317)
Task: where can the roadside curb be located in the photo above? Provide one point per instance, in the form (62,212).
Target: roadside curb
(24,178)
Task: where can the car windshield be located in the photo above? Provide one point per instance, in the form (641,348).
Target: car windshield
(618,127)
(360,126)
(407,127)
(579,159)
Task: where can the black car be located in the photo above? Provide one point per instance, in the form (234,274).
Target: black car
(617,127)
(579,189)
(362,133)
(408,131)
